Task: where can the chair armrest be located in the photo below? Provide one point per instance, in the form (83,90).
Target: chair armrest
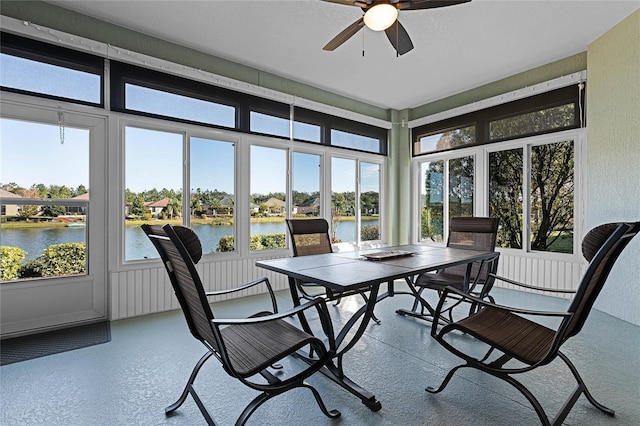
(318,303)
(264,280)
(483,302)
(529,286)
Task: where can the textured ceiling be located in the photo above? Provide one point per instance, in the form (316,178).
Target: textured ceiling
(456,48)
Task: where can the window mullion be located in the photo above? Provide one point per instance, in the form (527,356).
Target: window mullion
(526,198)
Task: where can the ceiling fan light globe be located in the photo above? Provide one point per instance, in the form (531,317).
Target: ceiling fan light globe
(380,17)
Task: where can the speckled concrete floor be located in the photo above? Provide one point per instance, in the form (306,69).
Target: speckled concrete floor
(130,380)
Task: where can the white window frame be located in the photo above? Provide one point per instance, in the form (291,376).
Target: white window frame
(481,185)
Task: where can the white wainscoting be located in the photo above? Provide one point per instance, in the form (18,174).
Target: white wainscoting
(545,272)
(148,290)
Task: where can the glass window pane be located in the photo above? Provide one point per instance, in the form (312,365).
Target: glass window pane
(47,239)
(369,201)
(159,102)
(269,124)
(351,140)
(153,186)
(52,80)
(461,187)
(446,140)
(533,122)
(506,195)
(343,190)
(552,186)
(307,132)
(268,200)
(306,185)
(432,201)
(212,199)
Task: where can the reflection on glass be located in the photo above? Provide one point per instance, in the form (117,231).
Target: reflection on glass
(153,184)
(552,185)
(212,199)
(446,140)
(461,187)
(267,202)
(533,122)
(343,190)
(43,239)
(369,201)
(159,102)
(306,185)
(505,195)
(432,201)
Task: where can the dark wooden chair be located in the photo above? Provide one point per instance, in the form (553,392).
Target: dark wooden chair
(308,237)
(466,233)
(247,348)
(518,344)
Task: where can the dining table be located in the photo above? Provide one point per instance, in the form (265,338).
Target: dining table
(363,272)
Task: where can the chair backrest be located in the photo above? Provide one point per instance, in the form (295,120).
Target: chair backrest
(180,249)
(601,247)
(472,233)
(309,236)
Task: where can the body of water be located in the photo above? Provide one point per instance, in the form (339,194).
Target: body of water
(138,246)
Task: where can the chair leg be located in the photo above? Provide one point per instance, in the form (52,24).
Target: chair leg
(189,388)
(583,387)
(446,380)
(329,413)
(264,397)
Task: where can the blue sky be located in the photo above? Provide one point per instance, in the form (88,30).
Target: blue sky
(32,153)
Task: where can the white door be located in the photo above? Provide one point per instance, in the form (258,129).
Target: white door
(53,230)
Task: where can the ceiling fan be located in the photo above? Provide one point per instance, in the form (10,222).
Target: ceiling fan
(382,15)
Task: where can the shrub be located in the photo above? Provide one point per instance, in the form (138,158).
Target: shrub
(11,261)
(62,259)
(256,242)
(226,243)
(370,232)
(273,241)
(32,269)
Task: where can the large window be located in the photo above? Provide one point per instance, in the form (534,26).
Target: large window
(529,158)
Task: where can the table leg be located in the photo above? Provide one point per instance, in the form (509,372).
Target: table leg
(335,371)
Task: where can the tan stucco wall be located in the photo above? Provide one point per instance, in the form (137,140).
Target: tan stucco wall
(613,154)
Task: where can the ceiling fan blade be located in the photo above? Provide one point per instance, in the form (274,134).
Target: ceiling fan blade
(431,4)
(344,35)
(399,38)
(345,2)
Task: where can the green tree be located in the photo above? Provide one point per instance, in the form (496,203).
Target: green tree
(137,207)
(53,211)
(81,190)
